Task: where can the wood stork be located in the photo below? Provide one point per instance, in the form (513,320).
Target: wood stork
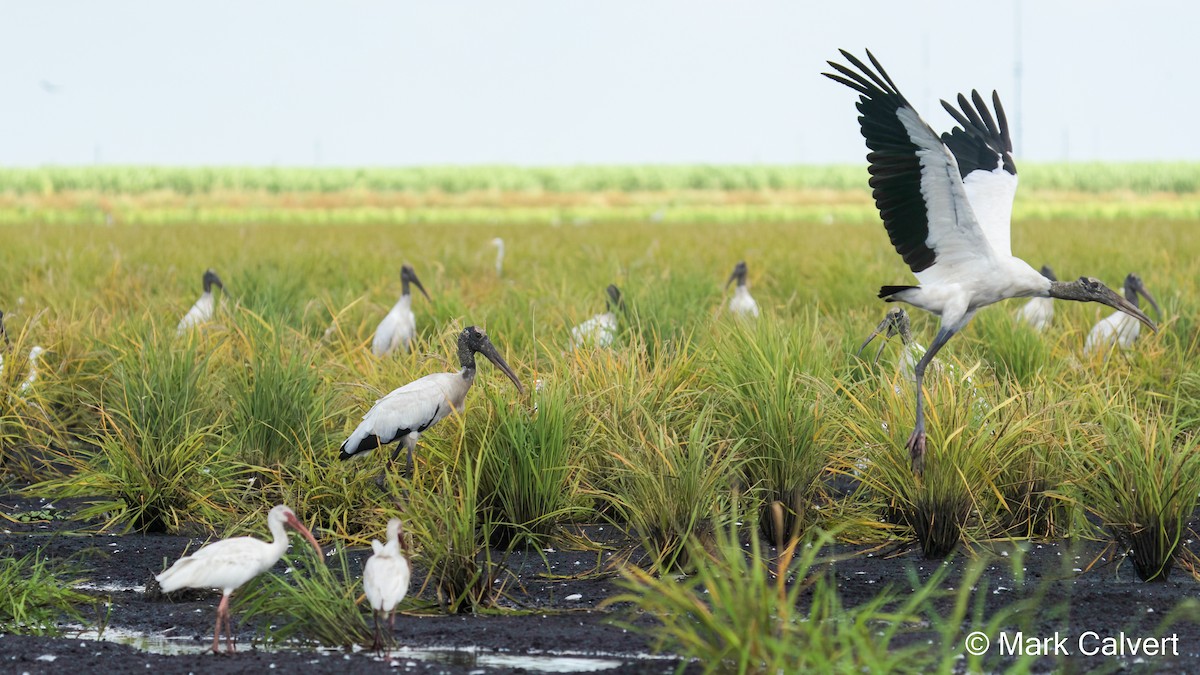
(741,304)
(599,330)
(499,244)
(399,326)
(1119,328)
(385,579)
(946,204)
(202,311)
(229,563)
(408,411)
(1039,312)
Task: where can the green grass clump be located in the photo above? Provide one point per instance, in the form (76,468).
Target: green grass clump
(37,595)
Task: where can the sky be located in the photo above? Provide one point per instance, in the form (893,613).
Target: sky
(558,82)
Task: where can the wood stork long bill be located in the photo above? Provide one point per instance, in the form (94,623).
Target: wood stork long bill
(946,204)
(599,330)
(202,311)
(229,563)
(499,244)
(399,326)
(741,304)
(385,580)
(406,412)
(1038,313)
(1119,328)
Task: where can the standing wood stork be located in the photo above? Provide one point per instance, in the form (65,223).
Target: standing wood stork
(202,311)
(408,411)
(499,244)
(599,330)
(741,304)
(1039,312)
(1119,328)
(946,204)
(229,563)
(385,580)
(399,326)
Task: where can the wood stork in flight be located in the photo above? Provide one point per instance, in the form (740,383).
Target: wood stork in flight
(946,203)
(1039,312)
(399,326)
(408,411)
(385,580)
(202,311)
(1119,328)
(741,304)
(229,563)
(599,330)
(499,244)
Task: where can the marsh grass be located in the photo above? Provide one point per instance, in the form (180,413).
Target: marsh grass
(38,597)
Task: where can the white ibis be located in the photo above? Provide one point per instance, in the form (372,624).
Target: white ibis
(1119,328)
(385,579)
(741,304)
(599,330)
(399,326)
(408,411)
(499,244)
(946,204)
(227,564)
(1039,312)
(202,311)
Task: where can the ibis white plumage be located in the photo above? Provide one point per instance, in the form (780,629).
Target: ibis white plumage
(227,564)
(1039,312)
(407,412)
(201,312)
(1119,328)
(946,203)
(741,304)
(601,329)
(385,579)
(399,326)
(499,244)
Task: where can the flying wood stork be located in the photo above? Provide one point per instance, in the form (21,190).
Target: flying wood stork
(408,411)
(399,326)
(229,563)
(499,244)
(946,204)
(1039,312)
(741,304)
(1118,327)
(385,579)
(599,330)
(202,311)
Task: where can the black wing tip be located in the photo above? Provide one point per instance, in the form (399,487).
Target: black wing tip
(886,292)
(369,443)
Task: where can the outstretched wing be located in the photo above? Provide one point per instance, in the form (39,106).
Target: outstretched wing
(916,181)
(983,148)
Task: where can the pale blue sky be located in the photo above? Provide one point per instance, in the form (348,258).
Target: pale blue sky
(560,82)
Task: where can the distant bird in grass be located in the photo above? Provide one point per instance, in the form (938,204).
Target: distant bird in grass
(385,580)
(1119,328)
(1039,312)
(201,312)
(408,411)
(35,355)
(741,304)
(227,564)
(599,330)
(499,244)
(399,326)
(946,203)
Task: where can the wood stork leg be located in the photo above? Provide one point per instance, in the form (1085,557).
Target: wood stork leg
(916,441)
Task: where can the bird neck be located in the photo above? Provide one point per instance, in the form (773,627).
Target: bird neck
(1132,296)
(279,541)
(466,359)
(404,290)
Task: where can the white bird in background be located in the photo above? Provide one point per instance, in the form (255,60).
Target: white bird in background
(599,330)
(741,304)
(499,244)
(1120,328)
(227,564)
(35,354)
(1039,312)
(408,411)
(399,326)
(947,204)
(385,580)
(201,312)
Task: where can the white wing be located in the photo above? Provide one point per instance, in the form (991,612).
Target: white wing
(412,408)
(200,313)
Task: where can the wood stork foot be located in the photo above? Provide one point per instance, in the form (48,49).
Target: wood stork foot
(916,450)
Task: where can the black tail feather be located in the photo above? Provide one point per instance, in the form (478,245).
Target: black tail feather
(886,292)
(369,443)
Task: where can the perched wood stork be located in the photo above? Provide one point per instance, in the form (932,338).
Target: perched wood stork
(1119,328)
(408,411)
(599,330)
(385,579)
(1039,312)
(202,311)
(229,563)
(499,244)
(399,326)
(741,304)
(946,204)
